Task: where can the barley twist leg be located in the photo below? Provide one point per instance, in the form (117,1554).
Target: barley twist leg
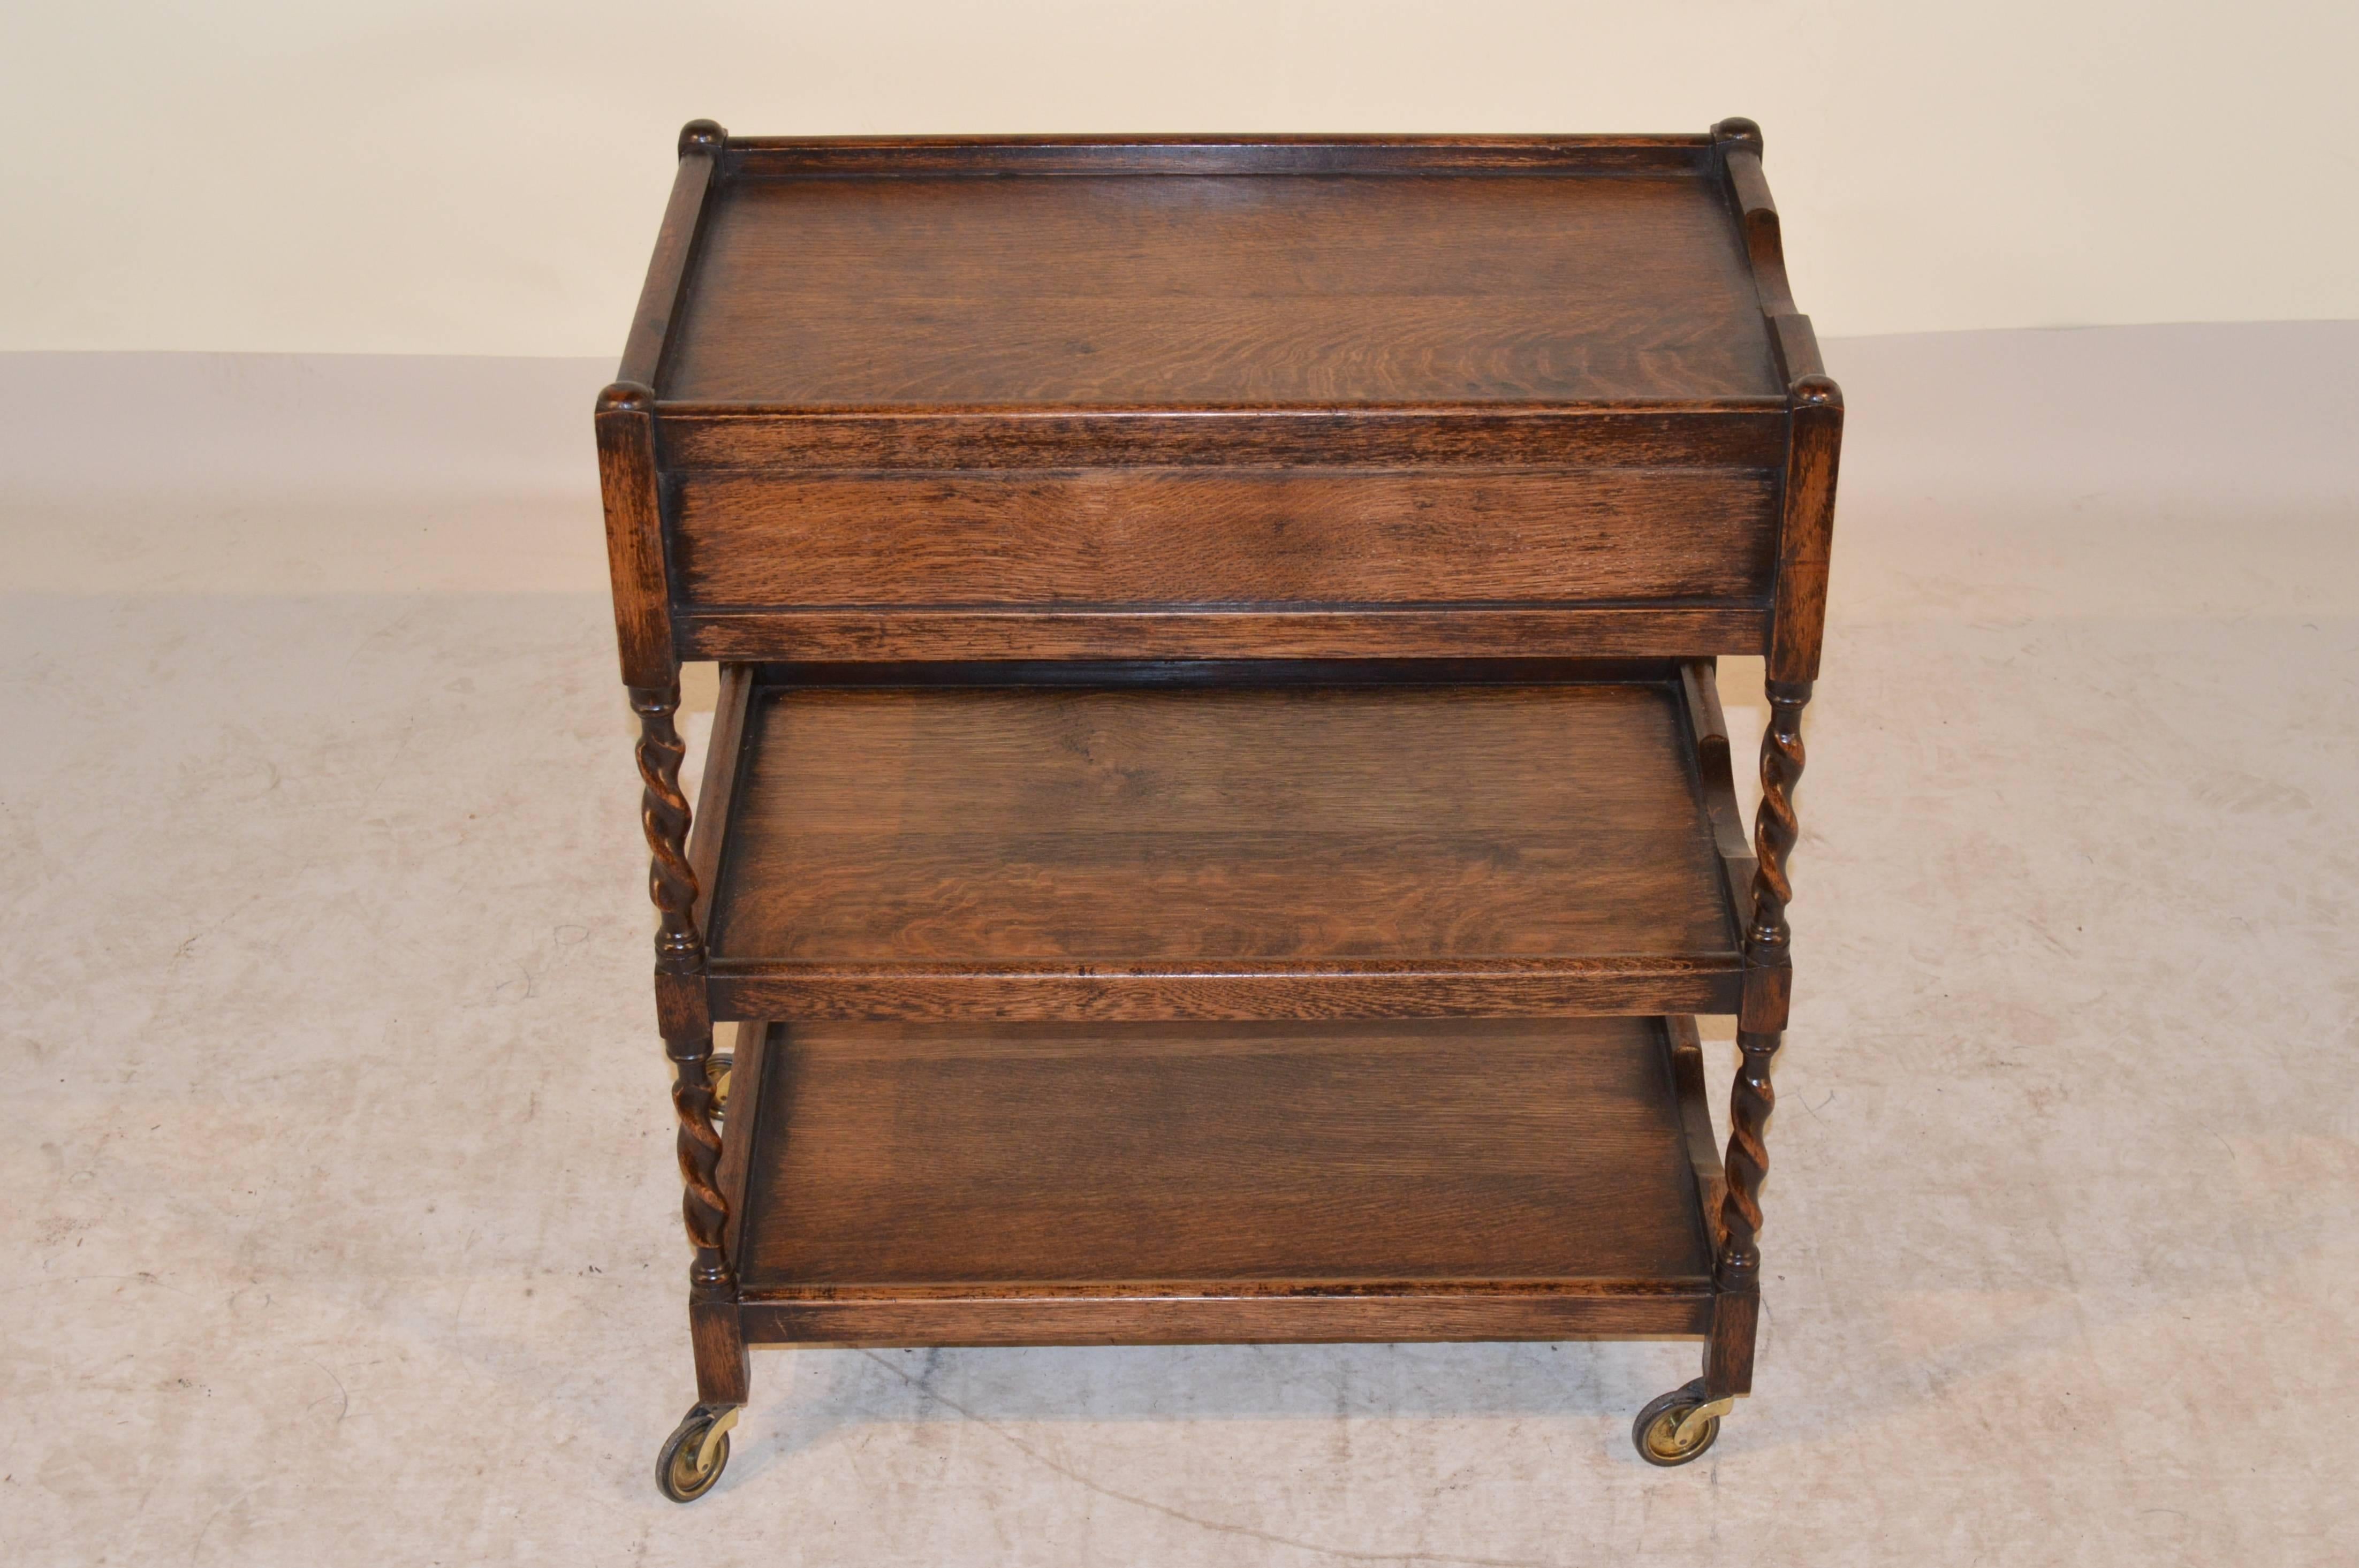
(663,815)
(680,963)
(1767,955)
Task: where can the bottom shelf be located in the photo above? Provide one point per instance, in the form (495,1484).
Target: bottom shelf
(1445,1179)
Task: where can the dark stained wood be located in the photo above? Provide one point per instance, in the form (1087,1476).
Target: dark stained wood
(1179,535)
(885,418)
(1708,730)
(1768,993)
(1797,632)
(853,1319)
(1367,988)
(1678,152)
(634,549)
(1208,1155)
(717,1336)
(669,270)
(684,1018)
(664,821)
(1750,1101)
(1748,433)
(1219,290)
(1219,813)
(1806,530)
(742,1129)
(1769,990)
(1775,831)
(1258,674)
(1686,1048)
(1728,1352)
(1053,633)
(1799,624)
(719,785)
(1148,827)
(1099,834)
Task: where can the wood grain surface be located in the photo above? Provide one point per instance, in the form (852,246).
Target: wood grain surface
(1219,290)
(1203,153)
(1162,632)
(1166,1155)
(1747,433)
(858,1318)
(1181,535)
(1146,825)
(1210,995)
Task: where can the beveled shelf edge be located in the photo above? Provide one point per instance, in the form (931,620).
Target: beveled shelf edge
(1222,1290)
(1733,432)
(1474,1316)
(1162,631)
(1233,155)
(776,676)
(1230,992)
(1203,413)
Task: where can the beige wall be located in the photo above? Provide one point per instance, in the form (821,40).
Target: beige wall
(484,177)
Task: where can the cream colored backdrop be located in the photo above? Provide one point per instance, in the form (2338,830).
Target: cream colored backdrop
(484,177)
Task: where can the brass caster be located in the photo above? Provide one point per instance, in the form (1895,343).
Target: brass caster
(717,1071)
(695,1453)
(1679,1426)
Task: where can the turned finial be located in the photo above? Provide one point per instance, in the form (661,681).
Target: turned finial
(1737,131)
(1816,391)
(701,136)
(626,397)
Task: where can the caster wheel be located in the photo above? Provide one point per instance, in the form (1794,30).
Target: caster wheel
(694,1455)
(717,1071)
(1657,1433)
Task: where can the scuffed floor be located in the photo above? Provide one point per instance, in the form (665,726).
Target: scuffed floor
(341,1221)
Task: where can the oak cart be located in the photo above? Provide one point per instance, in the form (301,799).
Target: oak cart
(1219,821)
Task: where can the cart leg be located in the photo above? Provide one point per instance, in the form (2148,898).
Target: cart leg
(1680,1425)
(721,1376)
(692,1458)
(1728,1352)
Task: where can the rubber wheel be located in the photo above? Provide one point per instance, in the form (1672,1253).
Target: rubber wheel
(1651,1432)
(677,1476)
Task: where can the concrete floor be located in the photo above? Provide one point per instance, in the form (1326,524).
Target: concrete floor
(342,1222)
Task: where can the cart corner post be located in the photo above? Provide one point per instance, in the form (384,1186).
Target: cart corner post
(1814,411)
(631,488)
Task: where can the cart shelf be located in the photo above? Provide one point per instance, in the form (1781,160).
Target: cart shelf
(1010,1184)
(1121,843)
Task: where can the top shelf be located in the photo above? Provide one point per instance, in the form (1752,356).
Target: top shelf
(1221,290)
(1218,398)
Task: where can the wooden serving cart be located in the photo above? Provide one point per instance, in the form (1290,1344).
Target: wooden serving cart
(1219,820)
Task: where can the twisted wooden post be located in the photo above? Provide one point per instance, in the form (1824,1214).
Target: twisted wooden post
(680,1006)
(663,815)
(1769,984)
(1775,826)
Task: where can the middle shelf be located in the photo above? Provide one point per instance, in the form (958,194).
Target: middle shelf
(1191,842)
